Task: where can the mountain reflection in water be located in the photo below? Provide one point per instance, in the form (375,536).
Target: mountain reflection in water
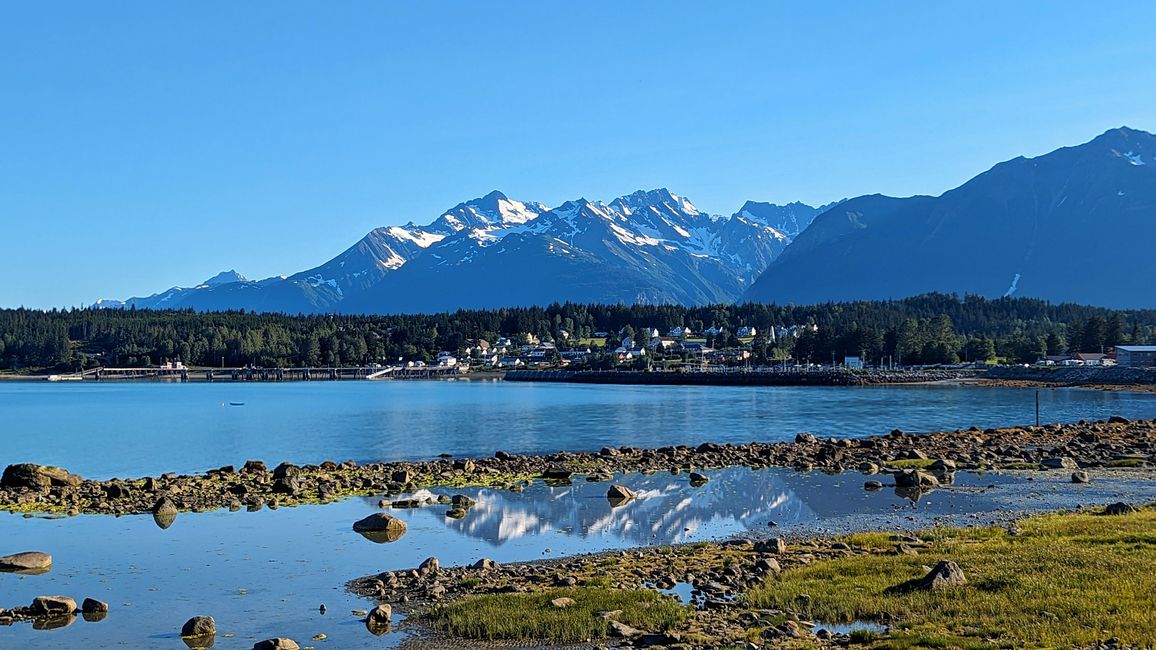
(667,509)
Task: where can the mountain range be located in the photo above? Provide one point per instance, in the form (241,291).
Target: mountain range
(1076,224)
(647,247)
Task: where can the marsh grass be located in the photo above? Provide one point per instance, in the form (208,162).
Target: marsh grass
(911,463)
(1065,580)
(1127,462)
(530,617)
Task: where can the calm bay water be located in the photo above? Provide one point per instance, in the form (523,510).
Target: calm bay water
(135,429)
(265,573)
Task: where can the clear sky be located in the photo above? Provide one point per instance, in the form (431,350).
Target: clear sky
(150,144)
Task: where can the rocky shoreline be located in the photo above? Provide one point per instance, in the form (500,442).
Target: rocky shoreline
(1117,442)
(742,377)
(1098,377)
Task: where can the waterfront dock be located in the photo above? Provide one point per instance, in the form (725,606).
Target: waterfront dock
(264,374)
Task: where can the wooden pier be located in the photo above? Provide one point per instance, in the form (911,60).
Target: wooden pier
(267,374)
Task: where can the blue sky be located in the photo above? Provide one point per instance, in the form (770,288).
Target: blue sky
(148,144)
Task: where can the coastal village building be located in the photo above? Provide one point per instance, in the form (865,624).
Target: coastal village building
(1136,356)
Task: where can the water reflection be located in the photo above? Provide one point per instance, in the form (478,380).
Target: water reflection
(666,509)
(164,519)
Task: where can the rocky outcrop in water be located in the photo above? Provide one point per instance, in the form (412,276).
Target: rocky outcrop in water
(26,561)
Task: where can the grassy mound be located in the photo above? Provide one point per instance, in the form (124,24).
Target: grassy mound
(1063,581)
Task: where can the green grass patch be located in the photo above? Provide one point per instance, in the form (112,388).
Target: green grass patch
(1065,580)
(912,463)
(1128,462)
(1020,465)
(530,617)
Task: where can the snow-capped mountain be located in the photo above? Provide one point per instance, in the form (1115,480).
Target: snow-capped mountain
(790,219)
(650,246)
(173,298)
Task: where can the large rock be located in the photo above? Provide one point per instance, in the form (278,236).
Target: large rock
(381,615)
(1120,508)
(94,606)
(1062,462)
(199,626)
(37,477)
(380,527)
(27,561)
(622,630)
(945,575)
(557,473)
(276,644)
(52,606)
(620,493)
(913,478)
(164,512)
(775,545)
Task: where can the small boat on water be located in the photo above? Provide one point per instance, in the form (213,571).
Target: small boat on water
(236,403)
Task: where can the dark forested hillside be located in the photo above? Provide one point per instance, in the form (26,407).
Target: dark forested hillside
(933,328)
(1074,224)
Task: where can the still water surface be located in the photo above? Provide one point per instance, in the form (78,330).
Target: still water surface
(265,573)
(135,429)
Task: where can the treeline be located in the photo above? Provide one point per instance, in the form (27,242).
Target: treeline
(934,328)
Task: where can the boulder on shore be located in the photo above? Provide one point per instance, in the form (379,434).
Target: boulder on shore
(913,478)
(26,561)
(557,473)
(1120,508)
(382,615)
(945,575)
(38,477)
(52,606)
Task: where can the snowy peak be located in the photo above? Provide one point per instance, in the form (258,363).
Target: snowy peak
(789,220)
(224,277)
(493,210)
(660,201)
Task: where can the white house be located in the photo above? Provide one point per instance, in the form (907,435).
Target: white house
(746,331)
(661,343)
(679,332)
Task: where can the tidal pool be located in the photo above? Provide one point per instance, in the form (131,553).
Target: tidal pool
(266,573)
